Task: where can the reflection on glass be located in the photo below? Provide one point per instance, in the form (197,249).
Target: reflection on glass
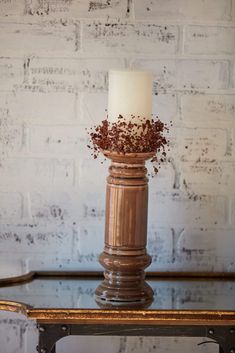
(80,293)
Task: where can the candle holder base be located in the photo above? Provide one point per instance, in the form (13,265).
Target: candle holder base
(124,295)
(124,279)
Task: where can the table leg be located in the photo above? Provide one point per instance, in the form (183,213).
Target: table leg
(49,334)
(227,347)
(224,336)
(221,349)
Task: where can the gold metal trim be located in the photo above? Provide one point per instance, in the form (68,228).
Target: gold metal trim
(153,317)
(17,307)
(107,316)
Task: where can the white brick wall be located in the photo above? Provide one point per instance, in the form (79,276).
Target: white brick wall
(53,38)
(11,72)
(218,108)
(183,10)
(213,40)
(54,59)
(104,38)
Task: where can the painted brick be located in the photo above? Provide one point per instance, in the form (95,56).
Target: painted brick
(103,344)
(50,108)
(101,38)
(63,174)
(27,174)
(186,74)
(233,9)
(58,140)
(11,73)
(47,38)
(10,206)
(61,211)
(91,203)
(133,344)
(62,261)
(208,178)
(202,74)
(210,249)
(31,336)
(93,108)
(93,207)
(10,138)
(164,180)
(232,142)
(233,74)
(165,107)
(86,178)
(11,267)
(83,252)
(69,75)
(76,8)
(24,174)
(233,211)
(181,210)
(11,8)
(160,247)
(164,73)
(163,344)
(210,40)
(36,239)
(13,327)
(53,208)
(208,10)
(198,144)
(208,108)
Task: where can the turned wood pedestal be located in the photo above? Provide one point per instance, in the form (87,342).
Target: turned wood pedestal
(124,257)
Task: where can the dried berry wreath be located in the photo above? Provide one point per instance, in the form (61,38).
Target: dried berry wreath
(130,137)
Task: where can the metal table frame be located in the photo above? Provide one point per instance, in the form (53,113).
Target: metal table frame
(49,334)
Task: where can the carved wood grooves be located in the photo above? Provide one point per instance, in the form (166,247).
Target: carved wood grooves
(124,257)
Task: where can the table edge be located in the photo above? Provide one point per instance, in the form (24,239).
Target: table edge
(124,316)
(29,276)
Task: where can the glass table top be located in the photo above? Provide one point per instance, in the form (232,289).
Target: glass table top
(79,293)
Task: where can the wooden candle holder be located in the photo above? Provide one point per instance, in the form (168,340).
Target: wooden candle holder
(124,257)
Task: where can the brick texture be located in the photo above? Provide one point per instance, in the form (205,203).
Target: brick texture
(217,108)
(11,8)
(11,72)
(76,8)
(189,75)
(47,38)
(210,40)
(107,38)
(54,62)
(52,108)
(208,10)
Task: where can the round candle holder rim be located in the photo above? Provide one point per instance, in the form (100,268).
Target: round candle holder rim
(130,156)
(130,71)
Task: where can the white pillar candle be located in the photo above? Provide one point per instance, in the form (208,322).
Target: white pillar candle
(130,94)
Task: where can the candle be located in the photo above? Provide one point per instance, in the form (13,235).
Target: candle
(130,94)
